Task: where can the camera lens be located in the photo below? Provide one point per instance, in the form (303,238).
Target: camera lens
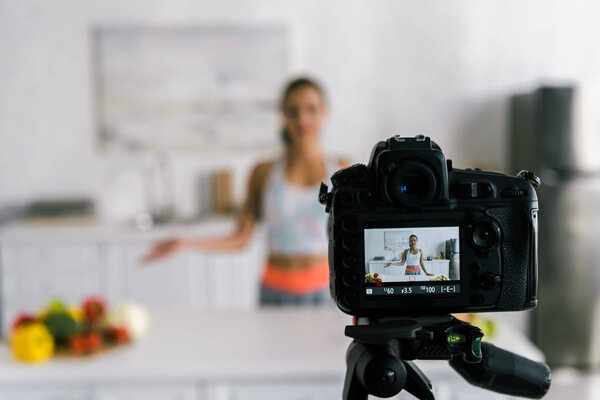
(413,184)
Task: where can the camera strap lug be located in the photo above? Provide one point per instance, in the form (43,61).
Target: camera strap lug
(530,177)
(325,197)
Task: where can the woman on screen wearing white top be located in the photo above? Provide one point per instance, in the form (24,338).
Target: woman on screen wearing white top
(413,258)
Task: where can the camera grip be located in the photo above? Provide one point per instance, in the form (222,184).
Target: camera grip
(505,372)
(515,256)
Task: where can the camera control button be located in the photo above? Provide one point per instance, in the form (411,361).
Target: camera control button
(350,298)
(473,190)
(485,189)
(512,190)
(484,234)
(349,242)
(475,267)
(467,190)
(489,280)
(349,224)
(349,279)
(350,261)
(350,174)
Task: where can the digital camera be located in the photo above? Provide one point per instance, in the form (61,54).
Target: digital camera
(411,235)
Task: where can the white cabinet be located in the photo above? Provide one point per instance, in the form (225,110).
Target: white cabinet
(30,271)
(38,264)
(161,284)
(32,274)
(438,267)
(190,280)
(231,280)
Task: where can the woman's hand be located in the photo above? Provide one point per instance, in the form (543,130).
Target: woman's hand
(387,265)
(428,274)
(163,249)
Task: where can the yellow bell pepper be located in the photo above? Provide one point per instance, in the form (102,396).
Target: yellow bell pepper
(32,343)
(76,313)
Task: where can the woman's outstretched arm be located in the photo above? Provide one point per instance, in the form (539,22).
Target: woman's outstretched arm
(237,240)
(398,263)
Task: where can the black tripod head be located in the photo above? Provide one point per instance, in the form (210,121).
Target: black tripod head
(379,359)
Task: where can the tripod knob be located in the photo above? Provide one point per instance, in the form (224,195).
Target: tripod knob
(372,370)
(382,375)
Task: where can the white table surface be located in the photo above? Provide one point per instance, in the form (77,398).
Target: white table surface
(227,346)
(207,346)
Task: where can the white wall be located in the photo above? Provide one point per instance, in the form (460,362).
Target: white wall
(444,68)
(431,240)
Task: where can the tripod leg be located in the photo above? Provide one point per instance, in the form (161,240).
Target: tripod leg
(353,390)
(372,370)
(417,383)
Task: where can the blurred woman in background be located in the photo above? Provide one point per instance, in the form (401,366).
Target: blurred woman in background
(283,194)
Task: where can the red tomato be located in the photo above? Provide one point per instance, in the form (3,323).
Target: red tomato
(94,309)
(121,335)
(77,344)
(93,341)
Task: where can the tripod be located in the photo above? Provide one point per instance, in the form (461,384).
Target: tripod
(379,359)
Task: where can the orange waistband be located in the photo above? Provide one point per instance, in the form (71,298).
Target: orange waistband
(413,268)
(297,281)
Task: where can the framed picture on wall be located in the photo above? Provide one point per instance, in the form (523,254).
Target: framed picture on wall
(188,88)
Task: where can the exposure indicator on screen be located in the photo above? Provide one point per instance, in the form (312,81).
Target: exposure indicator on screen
(413,289)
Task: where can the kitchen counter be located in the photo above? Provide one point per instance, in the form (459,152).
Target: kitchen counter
(398,273)
(208,346)
(98,231)
(228,350)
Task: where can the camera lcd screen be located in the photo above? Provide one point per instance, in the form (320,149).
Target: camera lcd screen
(412,261)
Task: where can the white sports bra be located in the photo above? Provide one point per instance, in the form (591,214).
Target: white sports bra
(295,220)
(413,259)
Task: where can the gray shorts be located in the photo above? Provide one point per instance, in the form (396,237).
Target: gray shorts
(270,297)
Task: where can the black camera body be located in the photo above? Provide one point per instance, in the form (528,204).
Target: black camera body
(410,235)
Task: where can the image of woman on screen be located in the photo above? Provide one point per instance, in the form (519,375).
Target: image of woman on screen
(282,195)
(413,258)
